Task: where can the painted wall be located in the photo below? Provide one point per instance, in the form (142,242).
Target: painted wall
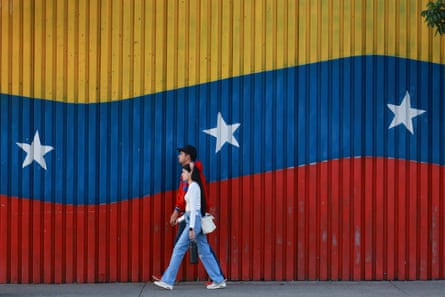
(320,125)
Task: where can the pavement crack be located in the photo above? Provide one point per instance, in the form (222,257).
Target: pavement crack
(142,290)
(400,289)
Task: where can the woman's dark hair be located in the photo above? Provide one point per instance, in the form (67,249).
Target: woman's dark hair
(187,168)
(197,178)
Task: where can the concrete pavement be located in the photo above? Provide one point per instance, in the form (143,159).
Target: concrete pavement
(260,289)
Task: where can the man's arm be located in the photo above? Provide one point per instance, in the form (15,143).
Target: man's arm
(174,217)
(179,204)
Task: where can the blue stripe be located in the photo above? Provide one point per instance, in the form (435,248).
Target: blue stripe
(110,152)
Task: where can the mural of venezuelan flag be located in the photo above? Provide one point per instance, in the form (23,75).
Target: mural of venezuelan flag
(320,124)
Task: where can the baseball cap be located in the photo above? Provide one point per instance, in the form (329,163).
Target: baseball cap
(188,149)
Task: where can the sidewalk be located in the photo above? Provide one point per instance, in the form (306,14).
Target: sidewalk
(260,289)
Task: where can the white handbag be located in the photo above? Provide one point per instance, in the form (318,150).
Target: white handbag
(207,224)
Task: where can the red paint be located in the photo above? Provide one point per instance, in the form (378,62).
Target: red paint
(349,219)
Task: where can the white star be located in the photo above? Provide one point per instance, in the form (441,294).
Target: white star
(35,151)
(223,133)
(404,114)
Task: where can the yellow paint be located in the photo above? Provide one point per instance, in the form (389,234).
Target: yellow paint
(98,51)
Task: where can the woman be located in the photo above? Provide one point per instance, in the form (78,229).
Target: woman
(192,232)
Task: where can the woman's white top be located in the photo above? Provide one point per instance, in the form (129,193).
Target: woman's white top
(193,202)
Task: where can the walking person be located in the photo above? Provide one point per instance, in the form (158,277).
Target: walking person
(192,232)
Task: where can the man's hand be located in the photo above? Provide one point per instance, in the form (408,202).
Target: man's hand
(173,218)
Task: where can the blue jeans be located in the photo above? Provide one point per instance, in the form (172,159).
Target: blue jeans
(208,259)
(181,228)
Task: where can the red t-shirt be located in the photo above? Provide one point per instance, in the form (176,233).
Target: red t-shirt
(183,186)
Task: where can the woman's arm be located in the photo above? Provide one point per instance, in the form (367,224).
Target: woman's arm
(195,202)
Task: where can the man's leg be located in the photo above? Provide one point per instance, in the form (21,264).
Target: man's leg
(181,227)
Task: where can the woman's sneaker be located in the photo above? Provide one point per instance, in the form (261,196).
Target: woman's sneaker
(163,285)
(214,285)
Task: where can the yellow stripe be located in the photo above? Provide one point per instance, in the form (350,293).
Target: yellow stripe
(97,51)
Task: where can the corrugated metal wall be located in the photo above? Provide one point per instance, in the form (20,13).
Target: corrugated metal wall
(319,187)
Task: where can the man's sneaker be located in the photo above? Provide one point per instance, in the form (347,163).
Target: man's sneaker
(163,285)
(155,277)
(220,285)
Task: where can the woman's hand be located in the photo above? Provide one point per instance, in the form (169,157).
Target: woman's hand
(192,234)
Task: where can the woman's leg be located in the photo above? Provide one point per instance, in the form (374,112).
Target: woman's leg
(179,250)
(208,259)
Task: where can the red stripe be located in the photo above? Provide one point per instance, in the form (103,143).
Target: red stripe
(379,224)
(323,218)
(346,219)
(345,225)
(301,219)
(246,202)
(434,224)
(290,214)
(333,233)
(390,220)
